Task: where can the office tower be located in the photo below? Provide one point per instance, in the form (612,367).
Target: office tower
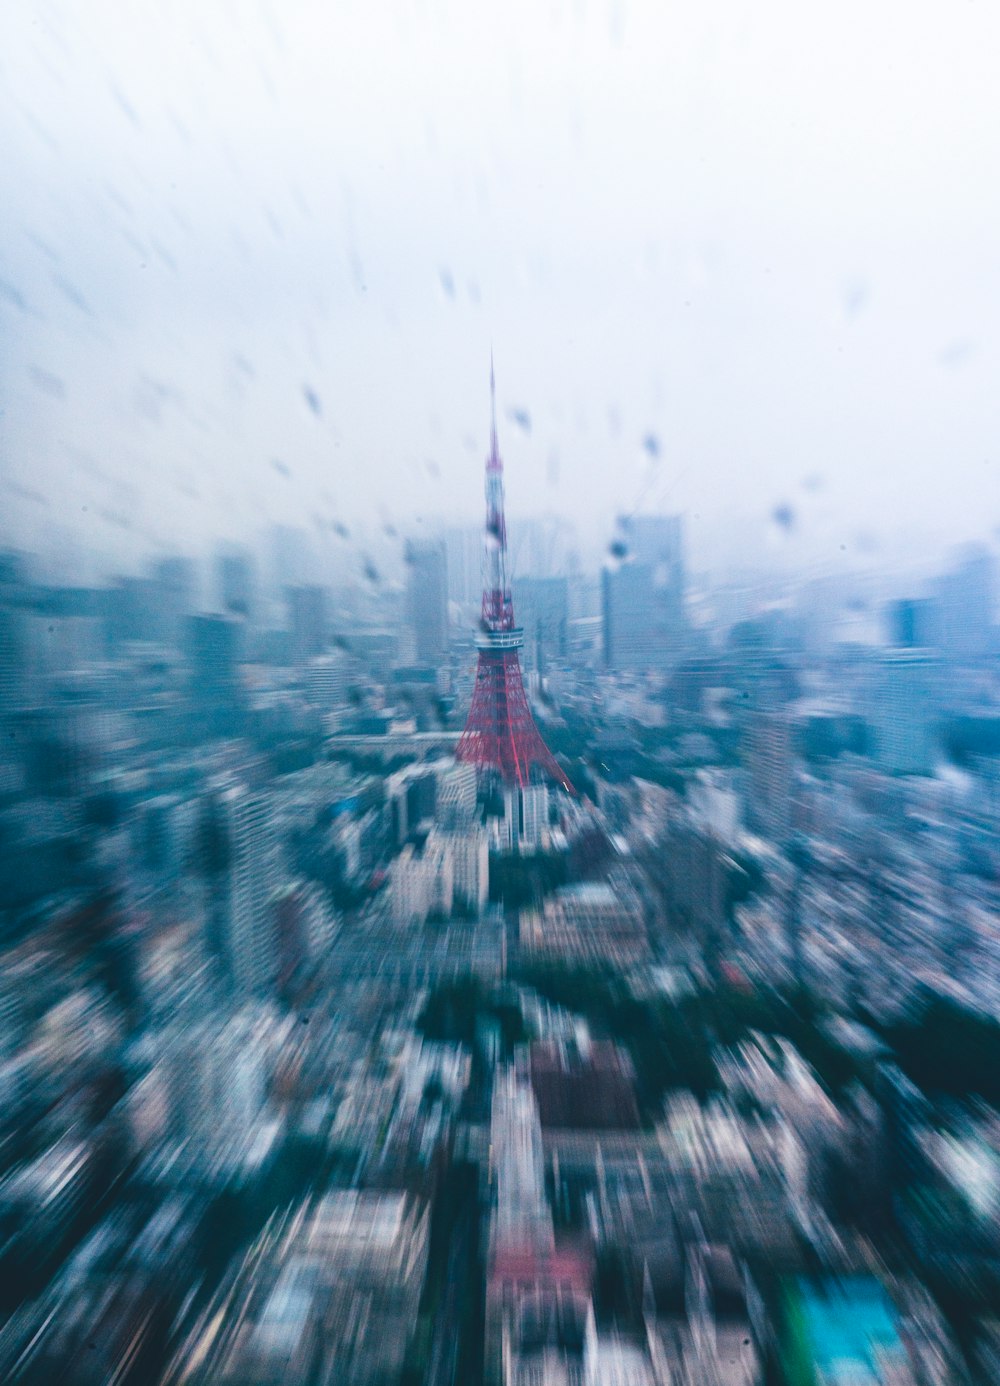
(643,595)
(427,600)
(326,681)
(174,584)
(464,558)
(249,928)
(912,623)
(236,581)
(422,882)
(902,699)
(538,546)
(456,793)
(526,813)
(213,646)
(770,773)
(470,861)
(292,560)
(543,606)
(965,601)
(307,619)
(133,613)
(500,735)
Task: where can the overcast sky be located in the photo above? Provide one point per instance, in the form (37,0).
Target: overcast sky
(735,259)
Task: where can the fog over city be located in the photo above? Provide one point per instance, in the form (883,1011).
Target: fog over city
(499,693)
(734,261)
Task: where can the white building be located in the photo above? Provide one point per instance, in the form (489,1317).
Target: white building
(456,788)
(421,883)
(254,874)
(470,858)
(525,824)
(902,707)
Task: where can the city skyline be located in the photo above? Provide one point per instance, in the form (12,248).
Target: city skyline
(450,948)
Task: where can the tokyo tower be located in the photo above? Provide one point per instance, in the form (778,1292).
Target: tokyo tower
(500,734)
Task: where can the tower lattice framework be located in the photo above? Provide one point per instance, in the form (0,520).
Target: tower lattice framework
(500,733)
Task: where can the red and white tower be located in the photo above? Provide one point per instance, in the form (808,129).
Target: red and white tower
(500,734)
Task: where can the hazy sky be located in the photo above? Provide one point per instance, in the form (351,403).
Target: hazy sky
(736,259)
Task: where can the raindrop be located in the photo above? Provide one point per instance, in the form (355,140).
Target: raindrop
(72,294)
(784,517)
(447,282)
(280,467)
(521,417)
(957,353)
(341,530)
(855,297)
(651,445)
(312,399)
(48,383)
(618,549)
(12,295)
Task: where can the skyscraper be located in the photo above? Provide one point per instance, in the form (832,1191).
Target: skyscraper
(643,596)
(213,648)
(174,577)
(770,772)
(249,927)
(427,600)
(543,607)
(902,709)
(965,601)
(308,620)
(237,583)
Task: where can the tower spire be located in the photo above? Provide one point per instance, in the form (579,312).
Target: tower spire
(493,398)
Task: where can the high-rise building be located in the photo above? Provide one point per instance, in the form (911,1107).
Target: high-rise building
(326,681)
(456,793)
(470,859)
(308,621)
(133,613)
(902,698)
(427,600)
(421,883)
(526,817)
(214,646)
(770,773)
(643,596)
(236,578)
(464,551)
(543,606)
(912,623)
(174,580)
(965,601)
(292,558)
(252,874)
